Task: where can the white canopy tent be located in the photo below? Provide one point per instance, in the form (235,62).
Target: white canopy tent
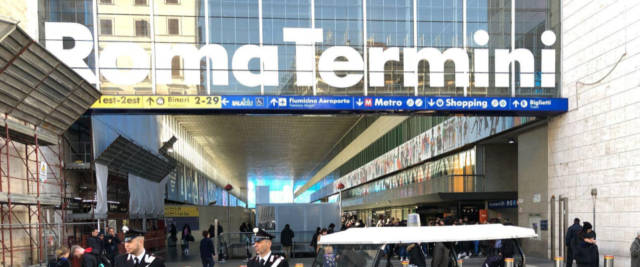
(425,234)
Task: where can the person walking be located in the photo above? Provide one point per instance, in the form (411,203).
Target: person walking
(314,241)
(206,250)
(247,238)
(635,251)
(286,238)
(587,251)
(186,238)
(570,238)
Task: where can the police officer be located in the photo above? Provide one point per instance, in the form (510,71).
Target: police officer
(136,255)
(264,257)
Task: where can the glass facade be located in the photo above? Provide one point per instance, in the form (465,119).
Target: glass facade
(156,46)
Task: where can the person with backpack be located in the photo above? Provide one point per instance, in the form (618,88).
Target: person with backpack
(572,234)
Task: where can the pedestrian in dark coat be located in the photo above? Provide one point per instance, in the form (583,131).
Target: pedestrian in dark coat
(587,251)
(286,238)
(635,251)
(314,240)
(415,256)
(206,250)
(95,243)
(440,255)
(173,233)
(571,237)
(111,244)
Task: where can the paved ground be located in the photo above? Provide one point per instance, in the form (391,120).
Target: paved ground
(175,259)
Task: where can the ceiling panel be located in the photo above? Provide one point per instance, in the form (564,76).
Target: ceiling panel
(267,146)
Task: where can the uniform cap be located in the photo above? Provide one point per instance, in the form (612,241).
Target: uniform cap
(259,235)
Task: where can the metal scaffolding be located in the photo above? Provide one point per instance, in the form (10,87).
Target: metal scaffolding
(40,97)
(33,196)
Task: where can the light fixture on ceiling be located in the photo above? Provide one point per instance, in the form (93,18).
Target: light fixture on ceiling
(511,141)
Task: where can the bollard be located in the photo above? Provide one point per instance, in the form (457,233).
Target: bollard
(460,261)
(608,261)
(559,262)
(508,262)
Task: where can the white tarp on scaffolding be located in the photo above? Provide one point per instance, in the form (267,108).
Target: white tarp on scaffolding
(146,198)
(102,174)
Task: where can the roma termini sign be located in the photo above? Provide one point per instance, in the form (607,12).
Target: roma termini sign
(332,60)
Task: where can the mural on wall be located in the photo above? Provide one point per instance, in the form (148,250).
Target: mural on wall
(453,133)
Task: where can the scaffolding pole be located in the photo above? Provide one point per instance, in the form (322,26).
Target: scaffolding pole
(28,197)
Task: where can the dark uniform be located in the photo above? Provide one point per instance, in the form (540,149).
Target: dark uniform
(148,260)
(128,260)
(273,260)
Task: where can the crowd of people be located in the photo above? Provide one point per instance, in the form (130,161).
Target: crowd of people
(102,251)
(495,251)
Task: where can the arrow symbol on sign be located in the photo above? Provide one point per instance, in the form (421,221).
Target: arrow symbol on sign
(431,103)
(359,102)
(274,102)
(516,103)
(150,100)
(225,101)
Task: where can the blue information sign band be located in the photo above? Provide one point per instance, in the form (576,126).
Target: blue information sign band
(353,104)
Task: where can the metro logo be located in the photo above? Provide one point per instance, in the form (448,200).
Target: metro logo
(333,60)
(368,102)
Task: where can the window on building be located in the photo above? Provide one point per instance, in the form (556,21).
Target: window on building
(142,28)
(176,67)
(106,27)
(175,2)
(174,26)
(109,2)
(141,2)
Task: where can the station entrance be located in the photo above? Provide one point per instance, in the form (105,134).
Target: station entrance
(74,155)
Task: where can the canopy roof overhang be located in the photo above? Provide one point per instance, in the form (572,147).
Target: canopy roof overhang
(124,156)
(36,87)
